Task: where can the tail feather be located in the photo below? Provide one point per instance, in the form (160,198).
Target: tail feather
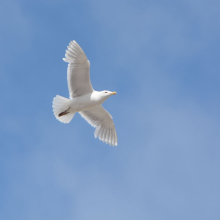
(61,108)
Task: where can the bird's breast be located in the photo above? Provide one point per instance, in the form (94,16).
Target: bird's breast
(84,102)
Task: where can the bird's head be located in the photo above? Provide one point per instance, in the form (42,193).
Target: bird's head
(106,94)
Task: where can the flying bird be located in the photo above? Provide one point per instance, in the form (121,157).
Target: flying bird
(83,98)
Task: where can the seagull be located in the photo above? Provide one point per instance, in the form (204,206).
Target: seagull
(83,98)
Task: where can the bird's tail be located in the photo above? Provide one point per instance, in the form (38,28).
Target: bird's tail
(61,107)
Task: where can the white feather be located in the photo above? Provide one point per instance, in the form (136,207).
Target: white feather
(99,118)
(61,104)
(78,76)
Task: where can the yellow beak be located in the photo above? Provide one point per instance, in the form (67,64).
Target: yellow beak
(114,93)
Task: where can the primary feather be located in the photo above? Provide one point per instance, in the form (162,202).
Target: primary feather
(99,118)
(78,76)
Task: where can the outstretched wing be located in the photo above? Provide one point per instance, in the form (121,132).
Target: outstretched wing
(78,76)
(99,118)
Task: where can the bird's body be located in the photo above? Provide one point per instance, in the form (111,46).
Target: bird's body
(86,101)
(83,98)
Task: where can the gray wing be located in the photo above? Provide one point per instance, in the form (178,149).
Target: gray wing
(78,76)
(99,118)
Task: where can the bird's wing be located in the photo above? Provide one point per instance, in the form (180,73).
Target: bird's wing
(99,118)
(78,76)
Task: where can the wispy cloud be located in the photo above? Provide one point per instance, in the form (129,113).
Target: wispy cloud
(157,57)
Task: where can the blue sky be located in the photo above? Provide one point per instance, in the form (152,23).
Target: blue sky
(162,58)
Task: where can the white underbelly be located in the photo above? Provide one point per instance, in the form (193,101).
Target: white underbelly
(83,102)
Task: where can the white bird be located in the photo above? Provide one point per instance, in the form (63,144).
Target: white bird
(83,98)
